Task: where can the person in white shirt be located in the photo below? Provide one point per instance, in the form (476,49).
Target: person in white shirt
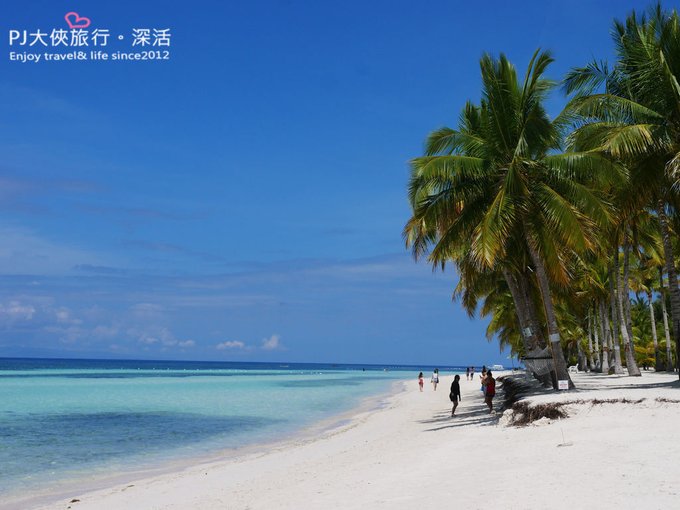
(435,378)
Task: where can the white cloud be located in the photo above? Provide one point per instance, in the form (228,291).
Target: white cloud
(64,316)
(230,345)
(272,343)
(15,310)
(148,339)
(186,343)
(155,335)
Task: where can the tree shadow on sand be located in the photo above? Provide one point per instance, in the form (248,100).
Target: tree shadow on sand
(586,385)
(476,414)
(519,387)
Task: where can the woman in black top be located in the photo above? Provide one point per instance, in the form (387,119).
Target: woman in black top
(455,393)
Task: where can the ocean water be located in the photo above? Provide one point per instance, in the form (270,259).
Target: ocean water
(63,421)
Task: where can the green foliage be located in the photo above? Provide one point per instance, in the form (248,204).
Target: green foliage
(508,182)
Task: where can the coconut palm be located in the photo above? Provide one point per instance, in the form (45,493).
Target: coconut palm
(497,186)
(646,352)
(649,259)
(664,315)
(590,287)
(635,117)
(645,283)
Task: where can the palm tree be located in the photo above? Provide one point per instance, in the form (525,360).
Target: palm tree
(646,352)
(646,273)
(590,285)
(636,119)
(496,186)
(644,284)
(664,315)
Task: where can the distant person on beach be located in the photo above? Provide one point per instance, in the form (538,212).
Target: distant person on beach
(455,393)
(472,373)
(420,381)
(435,378)
(482,379)
(490,392)
(467,374)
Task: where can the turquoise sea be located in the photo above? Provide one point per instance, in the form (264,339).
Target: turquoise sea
(67,421)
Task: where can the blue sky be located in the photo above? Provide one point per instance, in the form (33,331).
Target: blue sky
(245,199)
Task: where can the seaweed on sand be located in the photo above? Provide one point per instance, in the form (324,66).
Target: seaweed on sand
(523,413)
(598,401)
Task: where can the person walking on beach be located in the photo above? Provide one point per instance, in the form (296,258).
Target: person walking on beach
(472,373)
(435,378)
(467,374)
(482,379)
(455,393)
(490,390)
(420,381)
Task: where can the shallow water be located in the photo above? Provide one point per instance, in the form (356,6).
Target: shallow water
(64,420)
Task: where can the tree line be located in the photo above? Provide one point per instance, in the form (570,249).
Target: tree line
(563,230)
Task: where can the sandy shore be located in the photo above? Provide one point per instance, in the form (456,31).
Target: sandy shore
(411,454)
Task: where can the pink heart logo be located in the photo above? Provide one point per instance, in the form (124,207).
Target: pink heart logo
(75,21)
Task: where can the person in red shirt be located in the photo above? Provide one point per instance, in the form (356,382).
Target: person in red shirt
(490,390)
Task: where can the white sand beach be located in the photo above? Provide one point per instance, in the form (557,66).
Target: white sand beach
(412,454)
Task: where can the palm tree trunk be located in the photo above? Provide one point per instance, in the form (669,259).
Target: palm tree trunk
(561,371)
(625,288)
(581,356)
(532,333)
(622,293)
(669,354)
(597,341)
(520,309)
(591,364)
(618,369)
(606,340)
(672,276)
(524,283)
(657,354)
